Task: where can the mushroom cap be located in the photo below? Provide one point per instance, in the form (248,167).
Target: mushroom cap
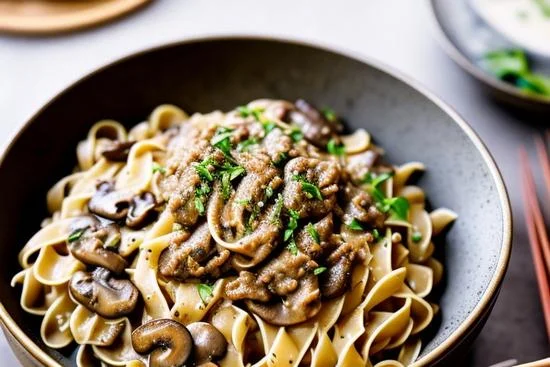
(142,208)
(299,306)
(110,203)
(315,127)
(335,281)
(117,151)
(210,344)
(168,342)
(90,247)
(102,294)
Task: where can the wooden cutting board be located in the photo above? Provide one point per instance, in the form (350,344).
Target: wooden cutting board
(55,16)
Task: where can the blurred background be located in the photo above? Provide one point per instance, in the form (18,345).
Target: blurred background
(400,33)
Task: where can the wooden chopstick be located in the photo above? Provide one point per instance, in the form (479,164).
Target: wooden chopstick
(530,205)
(539,218)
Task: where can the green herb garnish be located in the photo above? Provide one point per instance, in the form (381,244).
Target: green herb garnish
(335,148)
(268,126)
(319,270)
(296,135)
(291,246)
(376,234)
(376,180)
(76,234)
(275,217)
(416,237)
(311,191)
(246,111)
(243,202)
(244,146)
(329,114)
(204,172)
(310,228)
(292,224)
(229,173)
(252,218)
(206,291)
(222,140)
(355,225)
(268,192)
(158,168)
(199,205)
(512,66)
(398,205)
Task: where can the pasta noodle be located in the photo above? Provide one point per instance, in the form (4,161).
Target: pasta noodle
(257,237)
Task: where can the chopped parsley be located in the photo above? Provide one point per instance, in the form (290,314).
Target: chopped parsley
(268,192)
(329,114)
(355,225)
(416,236)
(292,248)
(228,173)
(206,291)
(268,126)
(275,217)
(319,270)
(375,180)
(245,111)
(244,146)
(222,140)
(376,234)
(243,202)
(158,168)
(310,228)
(252,218)
(76,234)
(296,135)
(203,171)
(311,191)
(292,224)
(336,148)
(399,206)
(199,205)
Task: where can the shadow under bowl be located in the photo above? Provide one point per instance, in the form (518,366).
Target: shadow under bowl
(219,73)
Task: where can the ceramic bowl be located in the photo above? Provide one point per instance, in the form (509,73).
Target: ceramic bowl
(220,73)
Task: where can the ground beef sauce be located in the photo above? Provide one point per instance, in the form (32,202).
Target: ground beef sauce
(284,196)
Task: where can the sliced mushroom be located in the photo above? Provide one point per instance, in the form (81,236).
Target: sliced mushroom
(101,293)
(315,127)
(335,281)
(168,343)
(95,245)
(118,151)
(210,344)
(299,306)
(142,208)
(110,203)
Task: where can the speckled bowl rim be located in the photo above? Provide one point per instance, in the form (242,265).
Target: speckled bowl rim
(464,62)
(492,288)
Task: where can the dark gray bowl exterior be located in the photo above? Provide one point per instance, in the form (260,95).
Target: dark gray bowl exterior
(212,74)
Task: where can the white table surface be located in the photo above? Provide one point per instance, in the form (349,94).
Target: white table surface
(398,32)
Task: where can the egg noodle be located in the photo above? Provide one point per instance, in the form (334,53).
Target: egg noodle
(298,250)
